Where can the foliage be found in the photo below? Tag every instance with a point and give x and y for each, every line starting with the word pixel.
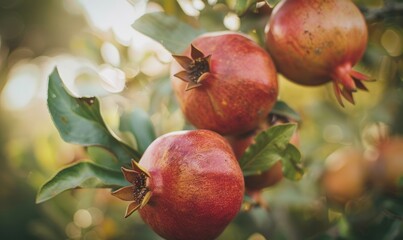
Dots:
pixel 79 121
pixel 173 34
pixel 138 123
pixel 83 175
pixel 269 148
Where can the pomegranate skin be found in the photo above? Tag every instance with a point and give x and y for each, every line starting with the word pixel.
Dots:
pixel 314 41
pixel 309 39
pixel 239 90
pixel 196 184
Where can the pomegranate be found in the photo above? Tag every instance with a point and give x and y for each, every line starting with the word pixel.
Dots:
pixel 388 167
pixel 315 41
pixel 225 82
pixel 345 175
pixel 187 185
pixel 275 173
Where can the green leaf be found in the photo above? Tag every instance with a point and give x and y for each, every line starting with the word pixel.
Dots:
pixel 281 108
pixel 79 121
pixel 103 157
pixel 139 124
pixel 267 150
pixel 162 95
pixel 80 175
pixel 272 3
pixel 172 33
pixel 292 165
pixel 242 6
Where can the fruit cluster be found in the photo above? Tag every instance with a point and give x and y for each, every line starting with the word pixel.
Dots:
pixel 189 185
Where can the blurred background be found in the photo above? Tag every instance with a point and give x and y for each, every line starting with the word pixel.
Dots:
pixel 98 53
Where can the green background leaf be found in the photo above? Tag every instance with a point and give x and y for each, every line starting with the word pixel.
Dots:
pixel 79 121
pixel 267 150
pixel 82 174
pixel 242 6
pixel 282 108
pixel 292 165
pixel 172 33
pixel 138 123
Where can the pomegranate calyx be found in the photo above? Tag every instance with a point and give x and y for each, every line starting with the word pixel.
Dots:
pixel 342 75
pixel 139 192
pixel 196 68
pixel 346 81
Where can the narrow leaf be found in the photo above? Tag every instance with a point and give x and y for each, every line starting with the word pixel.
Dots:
pixel 267 150
pixel 80 175
pixel 282 108
pixel 79 121
pixel 172 33
pixel 292 165
pixel 138 123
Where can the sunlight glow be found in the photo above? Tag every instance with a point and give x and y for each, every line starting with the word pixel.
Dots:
pixel 21 86
pixel 110 54
pixel 232 21
pixel 85 79
pixel 113 79
pixel 188 7
pixel 117 15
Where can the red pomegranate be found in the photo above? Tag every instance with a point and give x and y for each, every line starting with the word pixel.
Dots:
pixel 225 82
pixel 272 176
pixel 187 185
pixel 314 41
pixel 345 175
pixel 388 167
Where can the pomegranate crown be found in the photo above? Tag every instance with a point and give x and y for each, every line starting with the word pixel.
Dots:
pixel 139 192
pixel 196 68
pixel 346 81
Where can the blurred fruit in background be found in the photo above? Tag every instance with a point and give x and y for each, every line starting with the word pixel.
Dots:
pixel 388 166
pixel 345 175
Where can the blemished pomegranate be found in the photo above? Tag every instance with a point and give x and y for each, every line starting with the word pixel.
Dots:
pixel 187 185
pixel 225 82
pixel 314 41
pixel 275 174
pixel 345 175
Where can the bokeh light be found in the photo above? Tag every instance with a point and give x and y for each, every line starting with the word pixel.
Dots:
pixel 82 218
pixel 232 21
pixel 21 87
pixel 392 41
